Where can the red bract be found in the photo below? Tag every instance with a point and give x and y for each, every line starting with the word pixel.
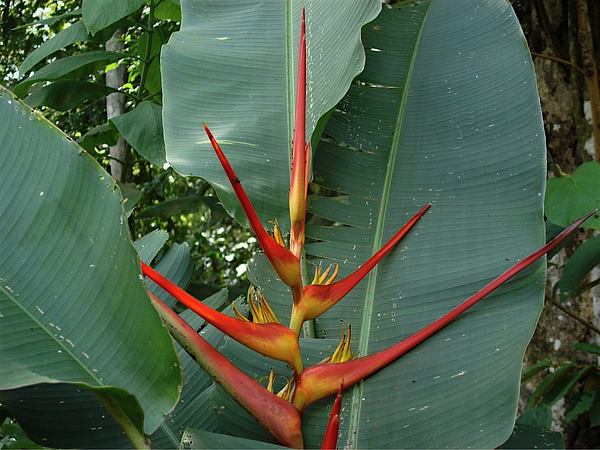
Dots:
pixel 283 261
pixel 333 426
pixel 300 155
pixel 321 381
pixel 270 339
pixel 276 415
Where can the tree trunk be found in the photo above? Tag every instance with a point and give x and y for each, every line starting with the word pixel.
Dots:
pixel 553 35
pixel 115 106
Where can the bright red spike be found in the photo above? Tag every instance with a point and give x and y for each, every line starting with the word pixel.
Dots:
pixel 270 339
pixel 300 154
pixel 333 426
pixel 319 298
pixel 283 261
pixel 321 381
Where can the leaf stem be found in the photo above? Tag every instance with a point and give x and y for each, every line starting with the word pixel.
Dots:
pixel 138 439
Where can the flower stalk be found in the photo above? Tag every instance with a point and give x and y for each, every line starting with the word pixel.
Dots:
pixel 269 339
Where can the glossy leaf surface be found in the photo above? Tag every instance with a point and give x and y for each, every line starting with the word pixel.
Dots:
pixel 72 306
pixel 233 66
pixel 445 112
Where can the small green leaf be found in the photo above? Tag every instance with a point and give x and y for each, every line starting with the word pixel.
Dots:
pixel 168 10
pixel 562 383
pixel 101 135
pixel 528 436
pixel 535 369
pixel 571 197
pixel 75 66
pixel 149 245
pixel 540 416
pixel 592 348
pixel 99 14
pixel 73 33
pixel 66 94
pixel 585 258
pixel 142 128
pixel 584 404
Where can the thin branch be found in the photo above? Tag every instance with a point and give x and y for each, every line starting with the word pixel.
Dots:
pixel 559 60
pixel 573 315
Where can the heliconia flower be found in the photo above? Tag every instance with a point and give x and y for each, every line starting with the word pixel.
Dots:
pixel 275 414
pixel 342 352
pixel 286 265
pixel 300 154
pixel 322 380
pixel 259 308
pixel 269 339
pixel 319 297
pixel 333 425
pixel 320 277
pixel 284 393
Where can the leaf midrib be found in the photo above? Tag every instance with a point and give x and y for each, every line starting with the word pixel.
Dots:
pixel 377 243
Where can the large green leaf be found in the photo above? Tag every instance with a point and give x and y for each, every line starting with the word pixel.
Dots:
pixel 72 306
pixel 446 112
pixel 233 66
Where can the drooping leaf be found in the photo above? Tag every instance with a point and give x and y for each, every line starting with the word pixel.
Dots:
pixel 585 258
pixel 74 66
pixel 99 14
pixel 72 305
pixel 66 94
pixel 240 81
pixel 70 35
pixel 64 416
pixel 142 128
pixel 569 195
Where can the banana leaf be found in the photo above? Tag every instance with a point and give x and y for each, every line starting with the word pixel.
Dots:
pixel 233 66
pixel 445 112
pixel 73 309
